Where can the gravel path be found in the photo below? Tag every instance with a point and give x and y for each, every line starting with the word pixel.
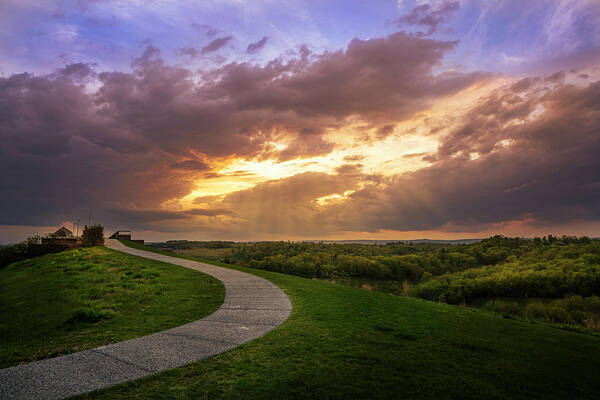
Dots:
pixel 252 307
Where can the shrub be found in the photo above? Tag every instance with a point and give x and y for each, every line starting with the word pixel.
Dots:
pixel 93 235
pixel 503 307
pixel 536 310
pixel 29 248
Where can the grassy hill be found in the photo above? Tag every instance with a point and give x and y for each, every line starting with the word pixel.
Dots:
pixel 550 279
pixel 342 342
pixel 84 298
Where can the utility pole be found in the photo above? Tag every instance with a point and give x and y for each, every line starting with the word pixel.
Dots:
pixel 76 227
pixel 90 218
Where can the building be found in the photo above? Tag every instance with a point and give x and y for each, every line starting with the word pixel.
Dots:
pixel 63 232
pixel 125 235
pixel 121 235
pixel 64 237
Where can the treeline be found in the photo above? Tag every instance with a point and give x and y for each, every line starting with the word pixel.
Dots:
pixel 553 270
pixel 392 261
pixel 34 247
pixel 570 310
pixel 29 248
pixel 189 244
pixel 555 279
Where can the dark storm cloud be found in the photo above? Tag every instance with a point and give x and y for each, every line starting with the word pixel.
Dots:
pixel 429 16
pixel 196 165
pixel 257 46
pixel 542 169
pixel 157 105
pixel 379 80
pixel 130 216
pixel 38 115
pixel 548 171
pixel 131 140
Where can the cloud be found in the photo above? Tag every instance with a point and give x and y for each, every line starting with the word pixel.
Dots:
pixel 429 16
pixel 195 165
pixel 285 205
pixel 380 81
pixel 77 72
pixel 414 155
pixel 257 46
pixel 208 30
pixel 215 45
pixel 191 52
pixel 354 158
pixel 85 5
pixel 148 217
pixel 543 168
pixel 81 139
pixel 536 166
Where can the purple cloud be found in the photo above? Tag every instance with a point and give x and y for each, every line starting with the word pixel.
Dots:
pixel 215 45
pixel 257 46
pixel 136 140
pixel 429 16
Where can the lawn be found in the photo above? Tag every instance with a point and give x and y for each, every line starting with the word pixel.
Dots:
pixel 342 342
pixel 206 253
pixel 196 253
pixel 80 299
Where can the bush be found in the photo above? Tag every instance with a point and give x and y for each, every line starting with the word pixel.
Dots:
pixel 536 310
pixel 571 310
pixel 93 235
pixel 29 248
pixel 503 307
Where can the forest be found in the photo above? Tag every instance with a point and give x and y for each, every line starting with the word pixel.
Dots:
pixel 554 279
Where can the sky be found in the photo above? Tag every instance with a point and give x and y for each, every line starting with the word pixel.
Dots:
pixel 291 120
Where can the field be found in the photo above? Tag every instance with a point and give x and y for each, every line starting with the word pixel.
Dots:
pixel 342 342
pixel 80 299
pixel 550 279
pixel 206 253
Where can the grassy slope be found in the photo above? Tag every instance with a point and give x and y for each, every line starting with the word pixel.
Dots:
pixel 80 299
pixel 342 342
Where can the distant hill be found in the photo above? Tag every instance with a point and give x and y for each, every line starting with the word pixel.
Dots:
pixel 456 241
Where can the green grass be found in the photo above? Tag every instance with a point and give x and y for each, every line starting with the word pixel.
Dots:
pixel 206 253
pixel 84 298
pixel 342 342
pixel 152 249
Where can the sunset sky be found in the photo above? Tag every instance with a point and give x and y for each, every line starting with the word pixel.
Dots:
pixel 325 119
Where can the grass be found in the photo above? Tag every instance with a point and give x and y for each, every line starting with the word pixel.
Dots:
pixel 195 253
pixel 206 253
pixel 80 299
pixel 342 342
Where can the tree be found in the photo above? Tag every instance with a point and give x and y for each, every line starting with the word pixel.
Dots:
pixel 93 235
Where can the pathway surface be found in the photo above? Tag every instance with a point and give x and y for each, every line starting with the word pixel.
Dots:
pixel 252 307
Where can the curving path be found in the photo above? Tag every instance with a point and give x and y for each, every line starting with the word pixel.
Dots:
pixel 252 307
